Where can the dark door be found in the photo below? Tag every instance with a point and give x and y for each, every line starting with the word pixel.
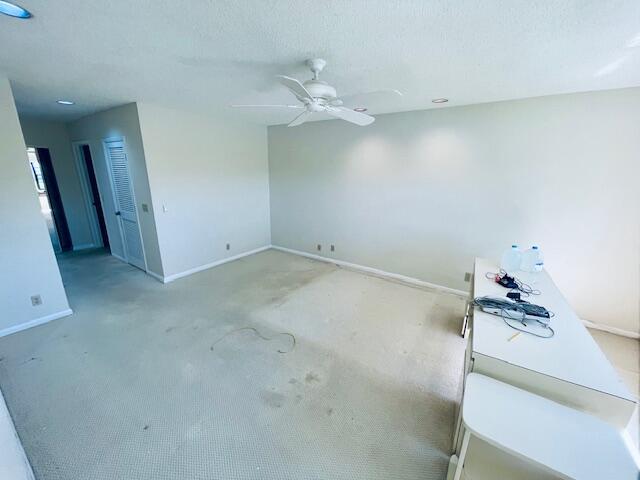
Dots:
pixel 95 195
pixel 57 210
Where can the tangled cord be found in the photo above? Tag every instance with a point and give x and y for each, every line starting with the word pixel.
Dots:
pixel 254 330
pixel 522 287
pixel 506 309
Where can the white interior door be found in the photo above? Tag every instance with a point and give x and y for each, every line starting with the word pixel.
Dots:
pixel 125 202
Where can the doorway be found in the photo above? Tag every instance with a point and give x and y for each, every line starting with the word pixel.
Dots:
pixel 51 207
pixel 89 184
pixel 117 161
pixel 111 182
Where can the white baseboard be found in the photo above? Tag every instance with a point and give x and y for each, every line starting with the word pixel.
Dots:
pixel 614 330
pixel 35 322
pixel 83 246
pixel 175 276
pixel 122 259
pixel 157 276
pixel 376 272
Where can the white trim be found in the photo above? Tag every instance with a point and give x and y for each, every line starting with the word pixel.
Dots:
pixel 83 176
pixel 122 259
pixel 376 272
pixel 84 246
pixel 614 330
pixel 157 276
pixel 35 322
pixel 186 273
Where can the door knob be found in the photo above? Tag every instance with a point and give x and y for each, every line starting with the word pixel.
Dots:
pixel 118 213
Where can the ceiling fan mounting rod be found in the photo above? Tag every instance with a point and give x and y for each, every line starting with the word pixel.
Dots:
pixel 316 65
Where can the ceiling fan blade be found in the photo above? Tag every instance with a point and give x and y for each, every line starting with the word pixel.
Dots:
pixel 366 98
pixel 300 119
pixel 349 115
pixel 295 87
pixel 267 106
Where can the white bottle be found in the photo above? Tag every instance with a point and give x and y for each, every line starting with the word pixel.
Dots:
pixel 532 260
pixel 511 259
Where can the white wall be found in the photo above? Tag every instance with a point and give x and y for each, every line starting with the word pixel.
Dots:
pixel 55 137
pixel 422 193
pixel 121 122
pixel 27 263
pixel 211 177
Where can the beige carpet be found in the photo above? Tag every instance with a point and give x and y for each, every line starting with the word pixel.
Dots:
pixel 201 379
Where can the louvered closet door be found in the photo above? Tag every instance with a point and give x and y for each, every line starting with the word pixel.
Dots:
pixel 125 201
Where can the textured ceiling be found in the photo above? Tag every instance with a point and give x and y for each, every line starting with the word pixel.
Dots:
pixel 204 55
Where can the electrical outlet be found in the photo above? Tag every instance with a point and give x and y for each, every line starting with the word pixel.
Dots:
pixel 36 300
pixel 467 277
pixel 145 207
pixel 228 246
pixel 333 248
pixel 319 247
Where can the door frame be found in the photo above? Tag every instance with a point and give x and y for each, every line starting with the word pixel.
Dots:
pixel 122 139
pixel 62 212
pixel 83 176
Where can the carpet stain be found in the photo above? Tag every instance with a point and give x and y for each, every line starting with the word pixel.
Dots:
pixel 311 377
pixel 32 359
pixel 272 399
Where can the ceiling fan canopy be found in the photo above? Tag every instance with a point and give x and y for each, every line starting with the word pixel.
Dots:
pixel 317 96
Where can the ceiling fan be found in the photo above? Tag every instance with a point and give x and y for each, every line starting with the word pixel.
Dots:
pixel 317 96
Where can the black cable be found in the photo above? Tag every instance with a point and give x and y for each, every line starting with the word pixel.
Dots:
pixel 520 285
pixel 255 331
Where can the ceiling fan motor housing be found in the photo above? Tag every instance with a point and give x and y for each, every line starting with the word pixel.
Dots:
pixel 317 96
pixel 320 89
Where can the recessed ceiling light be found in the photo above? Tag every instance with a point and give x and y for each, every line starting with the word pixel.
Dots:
pixel 13 10
pixel 65 102
pixel 440 100
pixel 360 109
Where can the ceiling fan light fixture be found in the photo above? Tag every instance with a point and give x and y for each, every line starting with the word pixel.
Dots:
pixel 14 10
pixel 440 100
